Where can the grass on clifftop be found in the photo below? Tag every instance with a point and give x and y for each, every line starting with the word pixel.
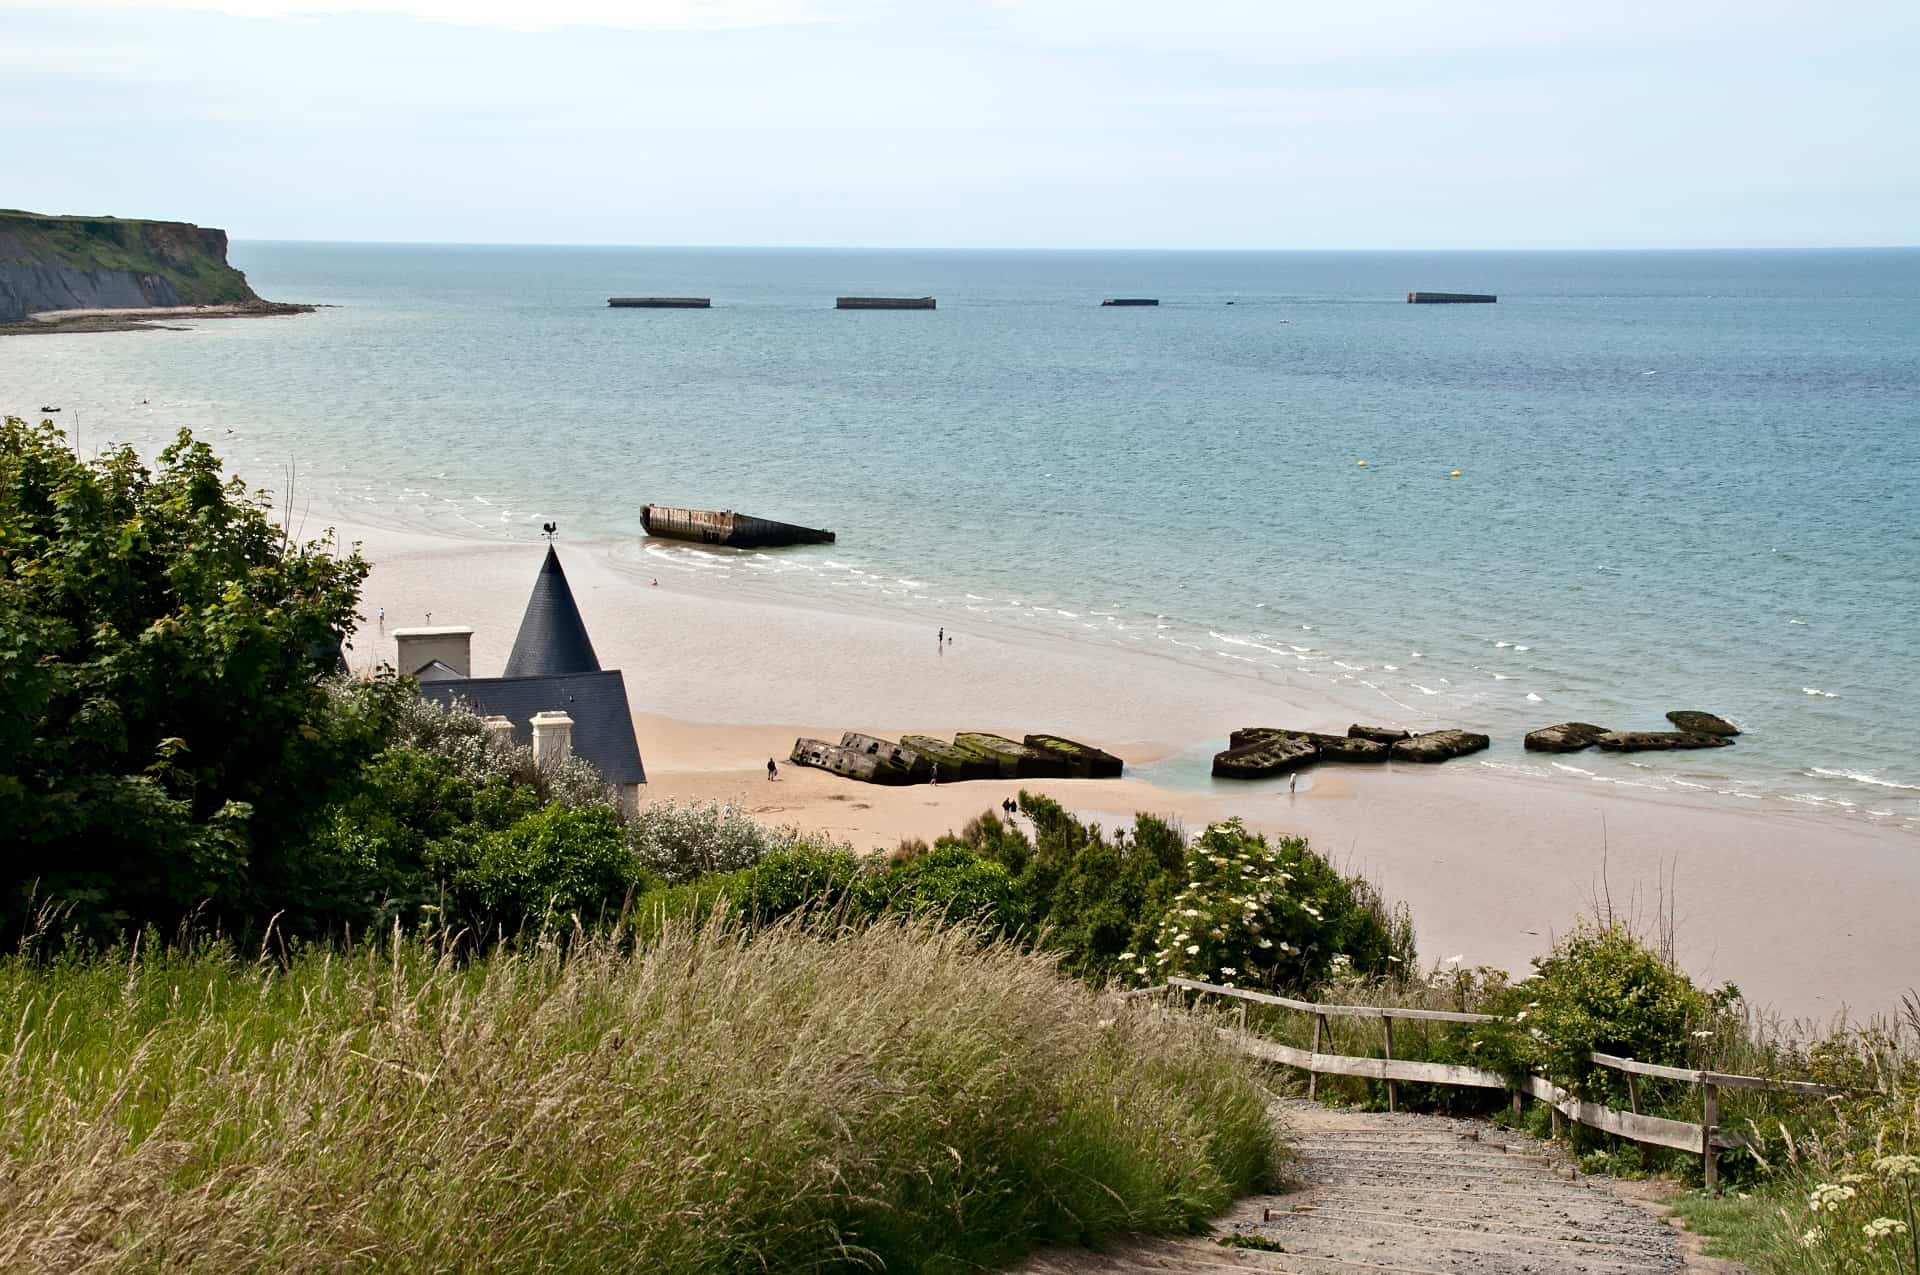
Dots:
pixel 169 249
pixel 902 1097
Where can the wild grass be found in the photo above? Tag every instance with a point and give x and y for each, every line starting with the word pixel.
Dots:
pixel 905 1096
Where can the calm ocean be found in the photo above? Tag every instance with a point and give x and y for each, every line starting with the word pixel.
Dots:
pixel 1687 479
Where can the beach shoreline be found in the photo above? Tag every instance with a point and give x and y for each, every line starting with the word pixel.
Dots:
pixel 1804 910
pixel 145 318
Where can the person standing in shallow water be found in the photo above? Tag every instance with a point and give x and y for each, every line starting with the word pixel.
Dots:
pixel 940 640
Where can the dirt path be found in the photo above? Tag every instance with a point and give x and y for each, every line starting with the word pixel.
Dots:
pixel 1412 1195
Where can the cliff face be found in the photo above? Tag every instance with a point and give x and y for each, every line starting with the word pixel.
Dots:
pixel 62 263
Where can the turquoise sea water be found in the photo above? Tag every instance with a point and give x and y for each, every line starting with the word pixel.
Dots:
pixel 1687 479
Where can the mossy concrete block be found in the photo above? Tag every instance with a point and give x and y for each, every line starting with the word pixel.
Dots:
pixel 1083 760
pixel 1695 722
pixel 1382 734
pixel 1653 741
pixel 955 764
pixel 1015 761
pixel 1567 737
pixel 1274 755
pixel 1439 745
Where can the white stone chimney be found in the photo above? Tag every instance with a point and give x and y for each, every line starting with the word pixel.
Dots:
pixel 552 737
pixel 499 730
pixel 451 644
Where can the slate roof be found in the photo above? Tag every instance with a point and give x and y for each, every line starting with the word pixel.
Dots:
pixel 596 701
pixel 552 638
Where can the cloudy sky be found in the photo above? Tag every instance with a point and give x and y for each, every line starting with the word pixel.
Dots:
pixel 971 123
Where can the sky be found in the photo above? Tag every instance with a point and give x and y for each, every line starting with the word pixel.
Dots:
pixel 976 123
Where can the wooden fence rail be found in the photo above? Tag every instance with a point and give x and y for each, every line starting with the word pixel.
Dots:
pixel 1705 1139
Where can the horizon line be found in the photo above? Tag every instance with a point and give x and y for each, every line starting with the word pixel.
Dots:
pixel 934 248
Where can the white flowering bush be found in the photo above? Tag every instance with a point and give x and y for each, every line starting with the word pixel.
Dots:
pixel 1267 916
pixel 681 842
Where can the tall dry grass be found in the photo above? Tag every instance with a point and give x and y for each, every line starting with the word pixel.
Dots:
pixel 902 1097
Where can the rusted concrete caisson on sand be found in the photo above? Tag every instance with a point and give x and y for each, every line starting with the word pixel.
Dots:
pixel 725 527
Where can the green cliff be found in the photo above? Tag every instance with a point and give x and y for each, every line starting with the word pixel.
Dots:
pixel 63 263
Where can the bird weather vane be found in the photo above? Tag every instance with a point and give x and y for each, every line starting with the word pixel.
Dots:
pixel 549 530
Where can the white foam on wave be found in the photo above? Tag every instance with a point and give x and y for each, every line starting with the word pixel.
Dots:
pixel 1523 648
pixel 1534 699
pixel 1503 644
pixel 1391 668
pixel 1814 690
pixel 1863 777
pixel 1424 690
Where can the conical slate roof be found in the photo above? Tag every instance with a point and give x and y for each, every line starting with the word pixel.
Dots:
pixel 553 639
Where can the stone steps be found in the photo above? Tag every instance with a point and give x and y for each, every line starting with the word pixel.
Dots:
pixel 1397 1194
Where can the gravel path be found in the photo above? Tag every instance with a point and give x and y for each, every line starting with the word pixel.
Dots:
pixel 1412 1195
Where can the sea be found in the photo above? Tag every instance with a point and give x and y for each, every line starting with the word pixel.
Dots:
pixel 1640 481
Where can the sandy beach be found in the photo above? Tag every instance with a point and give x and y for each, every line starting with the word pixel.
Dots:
pixel 1810 914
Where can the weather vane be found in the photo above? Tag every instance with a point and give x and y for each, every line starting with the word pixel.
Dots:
pixel 549 530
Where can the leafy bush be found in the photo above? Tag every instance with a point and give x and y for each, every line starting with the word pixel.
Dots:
pixel 950 882
pixel 165 741
pixel 1269 916
pixel 1601 990
pixel 551 863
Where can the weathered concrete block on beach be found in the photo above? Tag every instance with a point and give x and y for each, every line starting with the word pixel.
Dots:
pixel 1439 745
pixel 1274 755
pixel 1349 748
pixel 1647 741
pixel 917 767
pixel 955 764
pixel 1384 734
pixel 849 763
pixel 1083 760
pixel 1695 722
pixel 1015 761
pixel 1567 737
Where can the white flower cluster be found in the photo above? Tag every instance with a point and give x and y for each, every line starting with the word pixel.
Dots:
pixel 1898 1168
pixel 1882 1227
pixel 1829 1196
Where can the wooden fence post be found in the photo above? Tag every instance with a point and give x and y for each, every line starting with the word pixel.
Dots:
pixel 1393 1090
pixel 1313 1077
pixel 1709 1126
pixel 1559 1122
pixel 1633 1093
pixel 1518 1110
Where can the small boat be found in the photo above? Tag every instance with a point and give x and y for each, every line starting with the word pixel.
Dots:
pixel 725 527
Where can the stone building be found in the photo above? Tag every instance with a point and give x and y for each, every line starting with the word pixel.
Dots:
pixel 554 695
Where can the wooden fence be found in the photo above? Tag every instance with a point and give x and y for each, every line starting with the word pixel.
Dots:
pixel 1705 1139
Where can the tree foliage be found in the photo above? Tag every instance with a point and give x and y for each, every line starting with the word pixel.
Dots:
pixel 165 738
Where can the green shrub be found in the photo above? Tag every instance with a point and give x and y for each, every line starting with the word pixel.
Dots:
pixel 684 843
pixel 555 862
pixel 166 744
pixel 1601 990
pixel 950 881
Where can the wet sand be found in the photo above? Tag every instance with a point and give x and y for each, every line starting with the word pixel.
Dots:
pixel 1808 913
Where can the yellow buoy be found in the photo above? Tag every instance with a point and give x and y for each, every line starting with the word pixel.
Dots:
pixel 1454 474
pixel 1363 464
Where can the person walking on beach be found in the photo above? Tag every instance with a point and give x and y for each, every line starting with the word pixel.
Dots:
pixel 773 771
pixel 940 639
pixel 383 619
pixel 936 774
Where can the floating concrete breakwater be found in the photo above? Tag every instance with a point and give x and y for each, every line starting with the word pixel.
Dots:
pixel 1451 298
pixel 1696 730
pixel 923 759
pixel 725 527
pixel 884 303
pixel 660 303
pixel 1260 752
pixel 1125 301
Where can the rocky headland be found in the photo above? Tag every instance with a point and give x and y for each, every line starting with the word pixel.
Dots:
pixel 66 274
